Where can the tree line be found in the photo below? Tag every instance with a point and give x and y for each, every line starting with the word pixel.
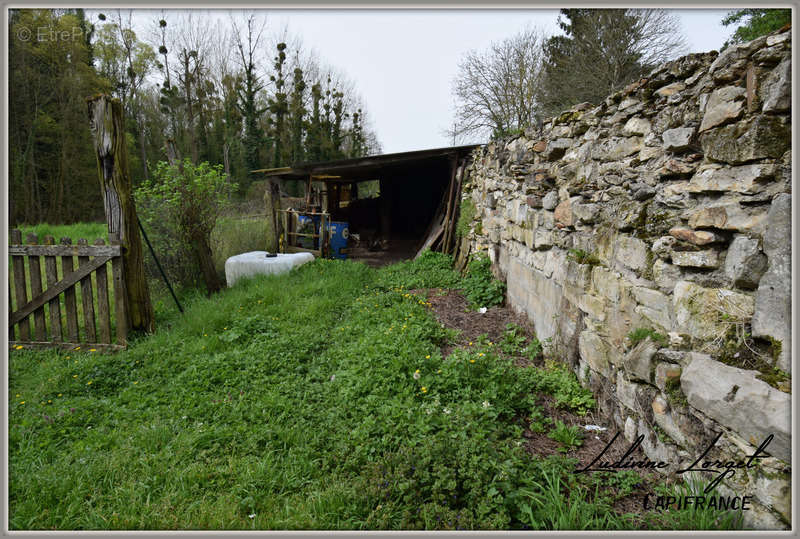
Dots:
pixel 522 80
pixel 230 94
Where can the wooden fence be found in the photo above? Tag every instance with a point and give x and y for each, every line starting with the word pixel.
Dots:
pixel 61 327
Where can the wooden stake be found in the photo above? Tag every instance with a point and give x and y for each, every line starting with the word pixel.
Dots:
pixel 108 134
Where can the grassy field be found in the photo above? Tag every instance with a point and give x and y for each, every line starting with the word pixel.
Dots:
pixel 314 400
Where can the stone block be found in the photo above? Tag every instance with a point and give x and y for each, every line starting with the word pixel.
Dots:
pixel 707 313
pixel 745 263
pixel 738 400
pixel 696 237
pixel 678 139
pixel 761 137
pixel 745 179
pixel 773 304
pixel 696 259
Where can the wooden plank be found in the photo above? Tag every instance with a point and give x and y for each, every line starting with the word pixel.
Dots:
pixel 451 202
pixel 449 248
pixel 87 298
pixel 72 346
pixel 70 304
pixel 437 232
pixel 120 297
pixel 103 312
pixel 64 285
pixel 20 288
pixel 65 250
pixel 35 268
pixel 54 305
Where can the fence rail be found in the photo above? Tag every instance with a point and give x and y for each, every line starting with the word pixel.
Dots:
pixel 61 326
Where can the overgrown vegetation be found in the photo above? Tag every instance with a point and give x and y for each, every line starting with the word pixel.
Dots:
pixel 319 399
pixel 466 215
pixel 180 207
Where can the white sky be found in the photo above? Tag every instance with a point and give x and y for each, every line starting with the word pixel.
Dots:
pixel 402 62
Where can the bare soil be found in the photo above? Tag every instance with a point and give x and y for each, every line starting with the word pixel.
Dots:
pixel 452 310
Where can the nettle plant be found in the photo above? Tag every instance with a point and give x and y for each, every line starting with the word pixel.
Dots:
pixel 183 201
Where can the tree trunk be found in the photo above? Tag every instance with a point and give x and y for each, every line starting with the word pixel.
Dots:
pixel 108 134
pixel 205 260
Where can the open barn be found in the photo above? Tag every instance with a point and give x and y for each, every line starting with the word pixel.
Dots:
pixel 389 207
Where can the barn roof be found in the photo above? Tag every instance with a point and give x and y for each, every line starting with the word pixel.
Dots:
pixel 367 168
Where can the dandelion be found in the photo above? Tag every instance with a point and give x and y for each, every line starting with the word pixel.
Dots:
pixel 22 402
pixel 480 354
pixel 74 375
pixel 136 382
pixel 424 389
pixel 49 401
pixel 59 394
pixel 19 347
pixel 428 356
pixel 77 348
pixel 439 371
pixel 486 404
pixel 472 361
pixel 67 357
pixel 89 383
pixel 470 343
pixel 92 349
pixel 205 334
pixel 18 395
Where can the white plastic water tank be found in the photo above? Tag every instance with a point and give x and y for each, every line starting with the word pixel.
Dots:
pixel 257 263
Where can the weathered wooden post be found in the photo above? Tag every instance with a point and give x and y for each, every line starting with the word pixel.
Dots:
pixel 108 133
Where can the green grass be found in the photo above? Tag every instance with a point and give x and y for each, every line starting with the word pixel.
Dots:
pixel 313 400
pixel 88 231
pixel 233 236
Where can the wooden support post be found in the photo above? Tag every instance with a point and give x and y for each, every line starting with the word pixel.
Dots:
pixel 20 286
pixel 108 133
pixel 272 198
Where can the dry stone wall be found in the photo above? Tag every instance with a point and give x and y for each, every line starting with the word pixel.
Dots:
pixel 665 208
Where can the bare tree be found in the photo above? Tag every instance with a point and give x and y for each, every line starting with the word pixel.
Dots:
pixel 495 89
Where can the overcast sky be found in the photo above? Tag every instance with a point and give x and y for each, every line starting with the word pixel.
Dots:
pixel 403 62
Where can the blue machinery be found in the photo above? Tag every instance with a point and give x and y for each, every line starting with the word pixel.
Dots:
pixel 313 232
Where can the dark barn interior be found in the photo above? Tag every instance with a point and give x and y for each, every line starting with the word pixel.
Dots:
pixel 389 201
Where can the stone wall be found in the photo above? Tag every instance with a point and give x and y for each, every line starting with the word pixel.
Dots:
pixel 665 208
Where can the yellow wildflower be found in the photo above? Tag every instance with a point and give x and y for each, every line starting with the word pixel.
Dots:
pixel 59 394
pixel 22 402
pixel 472 361
pixel 19 347
pixel 74 375
pixel 136 382
pixel 92 350
pixel 424 389
pixel 77 348
pixel 428 356
pixel 89 383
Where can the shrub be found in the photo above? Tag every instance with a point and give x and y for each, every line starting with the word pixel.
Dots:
pixel 181 204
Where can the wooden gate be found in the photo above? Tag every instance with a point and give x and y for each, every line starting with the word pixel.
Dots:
pixel 61 327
